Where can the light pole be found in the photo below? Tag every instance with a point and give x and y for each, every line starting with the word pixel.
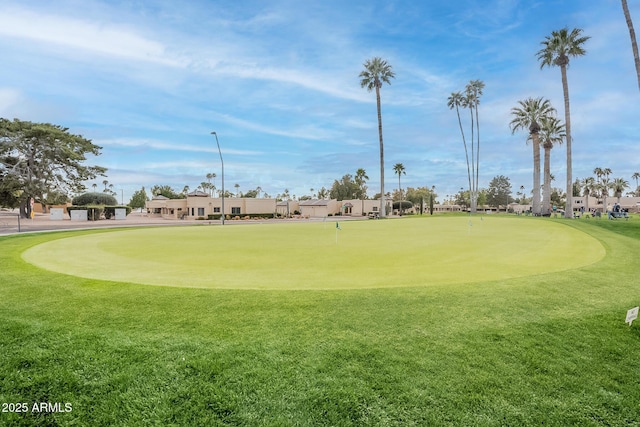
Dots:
pixel 222 163
pixel 433 188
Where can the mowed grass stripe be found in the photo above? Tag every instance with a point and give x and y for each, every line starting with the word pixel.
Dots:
pixel 364 254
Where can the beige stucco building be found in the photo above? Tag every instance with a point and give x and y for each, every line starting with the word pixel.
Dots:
pixel 200 205
pixel 589 203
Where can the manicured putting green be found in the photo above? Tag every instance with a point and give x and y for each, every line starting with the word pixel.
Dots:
pixel 362 254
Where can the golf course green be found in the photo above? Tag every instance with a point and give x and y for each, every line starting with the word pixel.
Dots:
pixel 421 321
pixel 319 255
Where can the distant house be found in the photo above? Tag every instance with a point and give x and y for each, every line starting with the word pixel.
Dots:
pixel 199 204
pixel 319 208
pixel 357 207
pixel 287 207
pixel 597 203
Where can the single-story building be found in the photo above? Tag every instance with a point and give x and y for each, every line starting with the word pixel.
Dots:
pixel 287 207
pixel 199 204
pixel 598 203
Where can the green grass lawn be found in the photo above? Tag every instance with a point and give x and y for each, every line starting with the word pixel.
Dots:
pixel 362 254
pixel 550 348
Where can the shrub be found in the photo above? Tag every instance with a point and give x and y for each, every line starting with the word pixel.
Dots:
pixel 87 199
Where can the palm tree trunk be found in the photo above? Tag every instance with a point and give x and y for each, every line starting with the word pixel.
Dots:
pixel 466 152
pixel 632 34
pixel 535 203
pixel 478 151
pixel 568 210
pixel 382 203
pixel 400 190
pixel 586 200
pixel 546 189
pixel 472 191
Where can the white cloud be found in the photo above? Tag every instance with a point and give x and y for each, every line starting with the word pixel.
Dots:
pixel 172 146
pixel 89 36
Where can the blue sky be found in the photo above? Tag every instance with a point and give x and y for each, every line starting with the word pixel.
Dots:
pixel 278 81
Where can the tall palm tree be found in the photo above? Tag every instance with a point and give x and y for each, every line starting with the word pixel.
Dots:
pixel 528 116
pixel 400 170
pixel 618 185
pixel 557 50
pixel 457 100
pixel 474 92
pixel 523 200
pixel 361 180
pixel 377 71
pixel 599 173
pixel 636 176
pixel 604 187
pixel 632 34
pixel 237 189
pixel 210 176
pixel 551 133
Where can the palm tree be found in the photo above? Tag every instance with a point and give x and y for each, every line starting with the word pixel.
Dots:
pixel 557 49
pixel 94 185
pixel 528 116
pixel 618 186
pixel 360 180
pixel 376 71
pixel 523 200
pixel 588 186
pixel 632 34
pixel 457 100
pixel 551 133
pixel 474 92
pixel 598 172
pixel 237 186
pixel 210 176
pixel 636 176
pixel 399 169
pixel 604 191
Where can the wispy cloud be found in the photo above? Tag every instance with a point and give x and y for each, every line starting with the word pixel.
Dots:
pixel 89 36
pixel 171 146
pixel 279 81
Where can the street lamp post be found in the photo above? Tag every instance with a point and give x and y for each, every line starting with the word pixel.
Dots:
pixel 433 188
pixel 222 163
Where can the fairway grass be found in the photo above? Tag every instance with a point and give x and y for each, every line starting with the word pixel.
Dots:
pixel 363 254
pixel 547 349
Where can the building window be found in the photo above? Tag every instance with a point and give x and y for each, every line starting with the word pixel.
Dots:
pixel 375 209
pixel 216 210
pixel 235 211
pixel 200 211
